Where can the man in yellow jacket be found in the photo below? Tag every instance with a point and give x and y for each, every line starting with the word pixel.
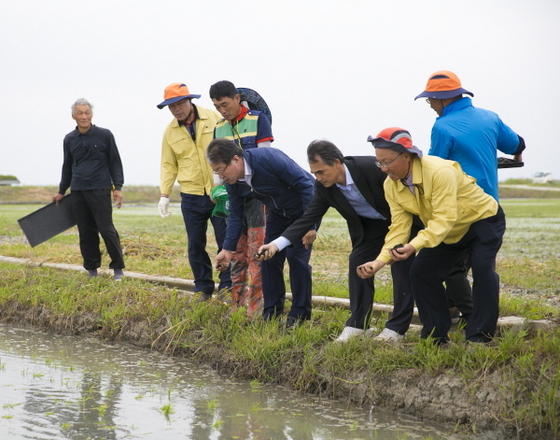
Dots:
pixel 183 159
pixel 457 215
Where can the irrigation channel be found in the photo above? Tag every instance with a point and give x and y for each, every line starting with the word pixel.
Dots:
pixel 69 387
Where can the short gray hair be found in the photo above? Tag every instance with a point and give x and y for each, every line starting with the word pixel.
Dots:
pixel 81 101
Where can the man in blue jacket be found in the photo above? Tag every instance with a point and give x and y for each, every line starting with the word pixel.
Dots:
pixel 268 175
pixel 471 136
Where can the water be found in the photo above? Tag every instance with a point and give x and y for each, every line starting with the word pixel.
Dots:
pixel 60 387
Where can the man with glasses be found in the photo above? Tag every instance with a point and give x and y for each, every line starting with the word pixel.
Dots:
pixel 458 216
pixel 183 159
pixel 353 185
pixel 471 136
pixel 270 176
pixel 248 129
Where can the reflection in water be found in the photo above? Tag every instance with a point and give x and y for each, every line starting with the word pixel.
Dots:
pixel 58 387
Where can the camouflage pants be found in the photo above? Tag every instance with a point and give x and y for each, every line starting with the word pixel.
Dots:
pixel 246 282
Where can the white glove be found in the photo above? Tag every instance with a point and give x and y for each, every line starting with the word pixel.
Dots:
pixel 163 207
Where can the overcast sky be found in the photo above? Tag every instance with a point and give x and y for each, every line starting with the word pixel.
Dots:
pixel 339 70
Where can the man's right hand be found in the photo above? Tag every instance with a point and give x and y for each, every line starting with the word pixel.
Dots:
pixel 266 252
pixel 163 207
pixel 57 198
pixel 223 260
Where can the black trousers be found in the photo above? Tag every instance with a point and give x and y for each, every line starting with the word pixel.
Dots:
pixel 274 287
pixel 432 265
pixel 458 288
pixel 362 291
pixel 94 215
pixel 403 297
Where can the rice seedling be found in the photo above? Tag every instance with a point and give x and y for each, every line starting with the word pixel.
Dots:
pixel 211 405
pixel 167 410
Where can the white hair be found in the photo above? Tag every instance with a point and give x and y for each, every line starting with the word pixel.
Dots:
pixel 81 101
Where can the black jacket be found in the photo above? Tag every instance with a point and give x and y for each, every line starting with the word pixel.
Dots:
pixel 91 161
pixel 369 179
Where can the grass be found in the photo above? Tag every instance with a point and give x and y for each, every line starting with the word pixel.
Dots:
pixel 363 370
pixel 528 260
pixel 304 358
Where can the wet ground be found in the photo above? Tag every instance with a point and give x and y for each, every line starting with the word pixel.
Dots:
pixel 67 387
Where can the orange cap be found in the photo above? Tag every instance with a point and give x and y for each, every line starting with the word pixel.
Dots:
pixel 443 84
pixel 175 92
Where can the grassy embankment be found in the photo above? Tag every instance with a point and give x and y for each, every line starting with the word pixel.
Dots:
pixel 525 365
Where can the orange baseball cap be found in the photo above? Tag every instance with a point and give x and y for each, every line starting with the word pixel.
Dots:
pixel 443 85
pixel 396 139
pixel 175 92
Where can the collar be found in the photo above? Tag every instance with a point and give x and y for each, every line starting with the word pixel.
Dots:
pixel 414 178
pixel 242 114
pixel 87 132
pixel 416 171
pixel 248 173
pixel 195 111
pixel 460 104
pixel 349 180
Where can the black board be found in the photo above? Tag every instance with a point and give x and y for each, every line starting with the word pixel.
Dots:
pixel 505 162
pixel 48 221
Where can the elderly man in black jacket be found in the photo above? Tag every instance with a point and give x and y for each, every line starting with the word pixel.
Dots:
pixel 354 187
pixel 92 168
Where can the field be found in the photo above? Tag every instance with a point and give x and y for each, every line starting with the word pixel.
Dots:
pixel 518 373
pixel 527 262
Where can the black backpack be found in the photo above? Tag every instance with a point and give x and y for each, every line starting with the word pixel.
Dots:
pixel 255 101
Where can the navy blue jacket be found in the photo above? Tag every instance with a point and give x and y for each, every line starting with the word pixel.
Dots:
pixel 278 182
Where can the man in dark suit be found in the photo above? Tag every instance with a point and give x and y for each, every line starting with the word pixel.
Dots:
pixel 354 187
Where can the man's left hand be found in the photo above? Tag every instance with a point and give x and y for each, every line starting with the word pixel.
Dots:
pixel 402 252
pixel 309 238
pixel 117 198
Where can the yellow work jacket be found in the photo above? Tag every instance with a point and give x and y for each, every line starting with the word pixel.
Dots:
pixel 183 159
pixel 446 200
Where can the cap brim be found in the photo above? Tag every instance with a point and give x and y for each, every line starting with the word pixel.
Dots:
pixel 176 99
pixel 445 94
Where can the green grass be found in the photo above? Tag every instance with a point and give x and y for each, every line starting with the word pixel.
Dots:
pixel 528 259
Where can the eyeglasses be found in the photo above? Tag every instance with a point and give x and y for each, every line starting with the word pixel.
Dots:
pixel 221 171
pixel 387 164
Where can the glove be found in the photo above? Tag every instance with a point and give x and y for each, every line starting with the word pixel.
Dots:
pixel 163 207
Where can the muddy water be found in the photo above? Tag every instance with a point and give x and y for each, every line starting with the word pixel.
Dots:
pixel 58 387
